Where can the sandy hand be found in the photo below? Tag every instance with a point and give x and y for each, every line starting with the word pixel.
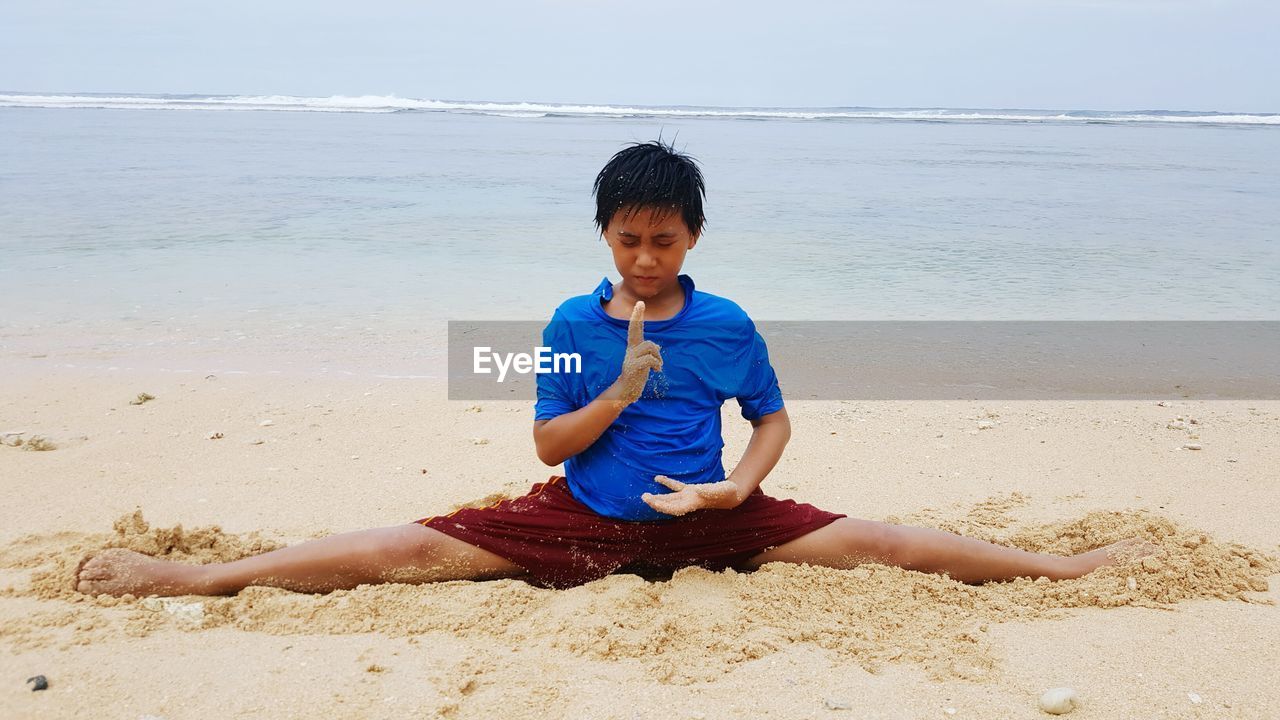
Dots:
pixel 642 356
pixel 686 498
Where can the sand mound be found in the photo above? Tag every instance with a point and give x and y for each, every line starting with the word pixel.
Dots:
pixel 55 558
pixel 693 627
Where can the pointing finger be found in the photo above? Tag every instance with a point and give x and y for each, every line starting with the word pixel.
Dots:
pixel 635 330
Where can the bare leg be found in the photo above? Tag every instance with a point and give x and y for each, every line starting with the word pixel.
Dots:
pixel 403 553
pixel 848 542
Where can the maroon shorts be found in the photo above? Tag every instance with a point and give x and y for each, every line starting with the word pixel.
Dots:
pixel 562 543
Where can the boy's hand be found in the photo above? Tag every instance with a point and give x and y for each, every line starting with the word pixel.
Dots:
pixel 642 356
pixel 721 495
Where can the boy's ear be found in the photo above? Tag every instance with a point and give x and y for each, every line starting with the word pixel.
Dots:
pixel 693 239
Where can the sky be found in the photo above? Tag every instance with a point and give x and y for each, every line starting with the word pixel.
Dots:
pixel 1039 54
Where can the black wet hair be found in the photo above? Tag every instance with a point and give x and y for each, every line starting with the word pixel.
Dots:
pixel 650 175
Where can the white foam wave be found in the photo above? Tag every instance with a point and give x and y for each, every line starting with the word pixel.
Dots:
pixel 391 103
pixel 1240 119
pixel 143 102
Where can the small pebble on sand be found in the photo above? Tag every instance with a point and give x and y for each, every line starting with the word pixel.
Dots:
pixel 39 682
pixel 985 424
pixel 1059 701
pixel 833 704
pixel 1192 446
pixel 266 423
pixel 479 441
pixel 1195 698
pixel 142 397
pixel 216 436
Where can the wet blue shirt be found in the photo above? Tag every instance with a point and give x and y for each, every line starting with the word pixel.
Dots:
pixel 711 352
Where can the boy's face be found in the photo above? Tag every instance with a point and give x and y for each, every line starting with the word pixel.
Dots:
pixel 648 247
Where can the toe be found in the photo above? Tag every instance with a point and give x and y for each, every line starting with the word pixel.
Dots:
pixel 75 576
pixel 93 571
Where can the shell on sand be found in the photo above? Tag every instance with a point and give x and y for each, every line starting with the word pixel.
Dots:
pixel 1059 701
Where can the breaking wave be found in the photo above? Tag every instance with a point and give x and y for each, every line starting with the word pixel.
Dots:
pixel 393 104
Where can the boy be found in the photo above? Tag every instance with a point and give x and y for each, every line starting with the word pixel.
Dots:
pixel 639 432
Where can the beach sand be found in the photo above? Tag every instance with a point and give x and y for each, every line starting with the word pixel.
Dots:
pixel 1189 634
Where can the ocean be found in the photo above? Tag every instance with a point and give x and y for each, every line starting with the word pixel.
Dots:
pixel 338 235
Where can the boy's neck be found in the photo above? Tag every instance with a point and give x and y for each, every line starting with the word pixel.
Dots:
pixel 662 306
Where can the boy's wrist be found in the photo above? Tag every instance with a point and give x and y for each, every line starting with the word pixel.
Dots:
pixel 730 497
pixel 615 395
pixel 740 492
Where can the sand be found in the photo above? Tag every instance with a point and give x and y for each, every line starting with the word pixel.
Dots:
pixel 1186 633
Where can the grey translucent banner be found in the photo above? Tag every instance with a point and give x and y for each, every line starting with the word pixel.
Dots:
pixel 950 360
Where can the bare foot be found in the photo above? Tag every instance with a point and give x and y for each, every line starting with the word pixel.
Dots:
pixel 117 572
pixel 1113 554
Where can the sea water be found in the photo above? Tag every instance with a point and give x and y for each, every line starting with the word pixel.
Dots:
pixel 340 234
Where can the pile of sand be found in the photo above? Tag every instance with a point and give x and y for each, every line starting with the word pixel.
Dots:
pixel 693 627
pixel 54 559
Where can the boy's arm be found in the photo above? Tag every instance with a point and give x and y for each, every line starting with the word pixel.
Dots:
pixel 559 438
pixel 768 440
pixel 564 436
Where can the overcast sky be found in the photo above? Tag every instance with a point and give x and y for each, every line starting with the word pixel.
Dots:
pixel 1049 54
